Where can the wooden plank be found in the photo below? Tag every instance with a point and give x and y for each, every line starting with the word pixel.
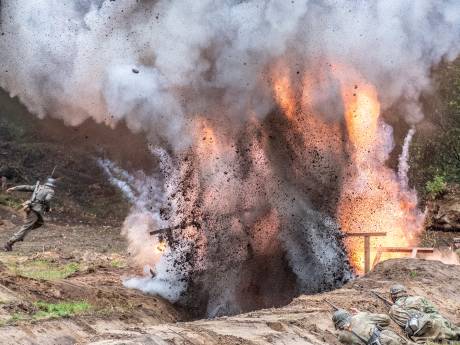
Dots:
pixel 413 250
pixel 406 249
pixel 351 234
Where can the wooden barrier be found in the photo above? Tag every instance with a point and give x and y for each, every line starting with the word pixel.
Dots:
pixel 412 250
pixel 367 245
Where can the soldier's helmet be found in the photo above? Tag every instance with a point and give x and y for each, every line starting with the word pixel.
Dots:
pixel 50 182
pixel 398 291
pixel 341 318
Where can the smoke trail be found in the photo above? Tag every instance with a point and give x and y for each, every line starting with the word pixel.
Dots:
pixel 119 178
pixel 403 166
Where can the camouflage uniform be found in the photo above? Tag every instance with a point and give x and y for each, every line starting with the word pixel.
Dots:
pixel 34 217
pixel 429 324
pixel 360 328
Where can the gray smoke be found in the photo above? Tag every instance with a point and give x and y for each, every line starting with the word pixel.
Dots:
pixel 74 59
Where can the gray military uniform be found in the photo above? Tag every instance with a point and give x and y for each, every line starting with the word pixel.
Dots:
pixel 38 206
pixel 362 328
pixel 432 326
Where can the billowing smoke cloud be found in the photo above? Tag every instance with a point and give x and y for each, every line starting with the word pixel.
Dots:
pixel 255 193
pixel 75 59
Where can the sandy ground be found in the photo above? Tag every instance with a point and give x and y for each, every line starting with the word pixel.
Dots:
pixel 79 263
pixel 307 320
pixel 122 316
pixel 62 237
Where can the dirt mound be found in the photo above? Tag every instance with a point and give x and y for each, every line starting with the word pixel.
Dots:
pixel 63 285
pixel 51 299
pixel 307 320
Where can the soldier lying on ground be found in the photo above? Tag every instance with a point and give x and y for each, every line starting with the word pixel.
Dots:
pixel 419 318
pixel 34 208
pixel 365 329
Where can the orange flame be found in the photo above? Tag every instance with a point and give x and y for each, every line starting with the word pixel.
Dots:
pixel 283 91
pixel 372 200
pixel 362 111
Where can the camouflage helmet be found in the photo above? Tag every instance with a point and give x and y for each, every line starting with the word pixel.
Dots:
pixel 50 182
pixel 340 318
pixel 397 291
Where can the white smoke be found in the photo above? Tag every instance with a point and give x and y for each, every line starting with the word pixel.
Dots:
pixel 146 195
pixel 74 59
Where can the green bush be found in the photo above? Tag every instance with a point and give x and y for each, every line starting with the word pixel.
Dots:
pixel 435 150
pixel 436 187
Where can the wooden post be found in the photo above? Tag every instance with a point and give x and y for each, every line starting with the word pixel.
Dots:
pixel 367 253
pixel 367 245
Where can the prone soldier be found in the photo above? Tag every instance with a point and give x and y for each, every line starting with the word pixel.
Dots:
pixel 365 328
pixel 419 318
pixel 34 208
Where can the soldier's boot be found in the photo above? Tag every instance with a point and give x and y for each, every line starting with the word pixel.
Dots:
pixel 33 221
pixel 8 247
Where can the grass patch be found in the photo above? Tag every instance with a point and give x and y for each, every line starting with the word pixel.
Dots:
pixel 50 311
pixel 16 317
pixel 10 201
pixel 115 263
pixel 44 269
pixel 58 310
pixel 413 274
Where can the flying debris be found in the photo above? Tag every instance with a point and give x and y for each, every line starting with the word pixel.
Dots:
pixel 245 215
pixel 169 229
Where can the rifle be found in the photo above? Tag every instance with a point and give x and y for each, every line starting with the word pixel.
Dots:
pixel 167 232
pixel 363 341
pixel 169 229
pixel 387 302
pixel 332 305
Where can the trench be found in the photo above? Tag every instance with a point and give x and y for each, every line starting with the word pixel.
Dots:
pixel 254 266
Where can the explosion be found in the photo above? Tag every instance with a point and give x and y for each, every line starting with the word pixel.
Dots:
pixel 373 199
pixel 266 119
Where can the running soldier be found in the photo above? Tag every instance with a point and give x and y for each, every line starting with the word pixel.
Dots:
pixel 34 208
